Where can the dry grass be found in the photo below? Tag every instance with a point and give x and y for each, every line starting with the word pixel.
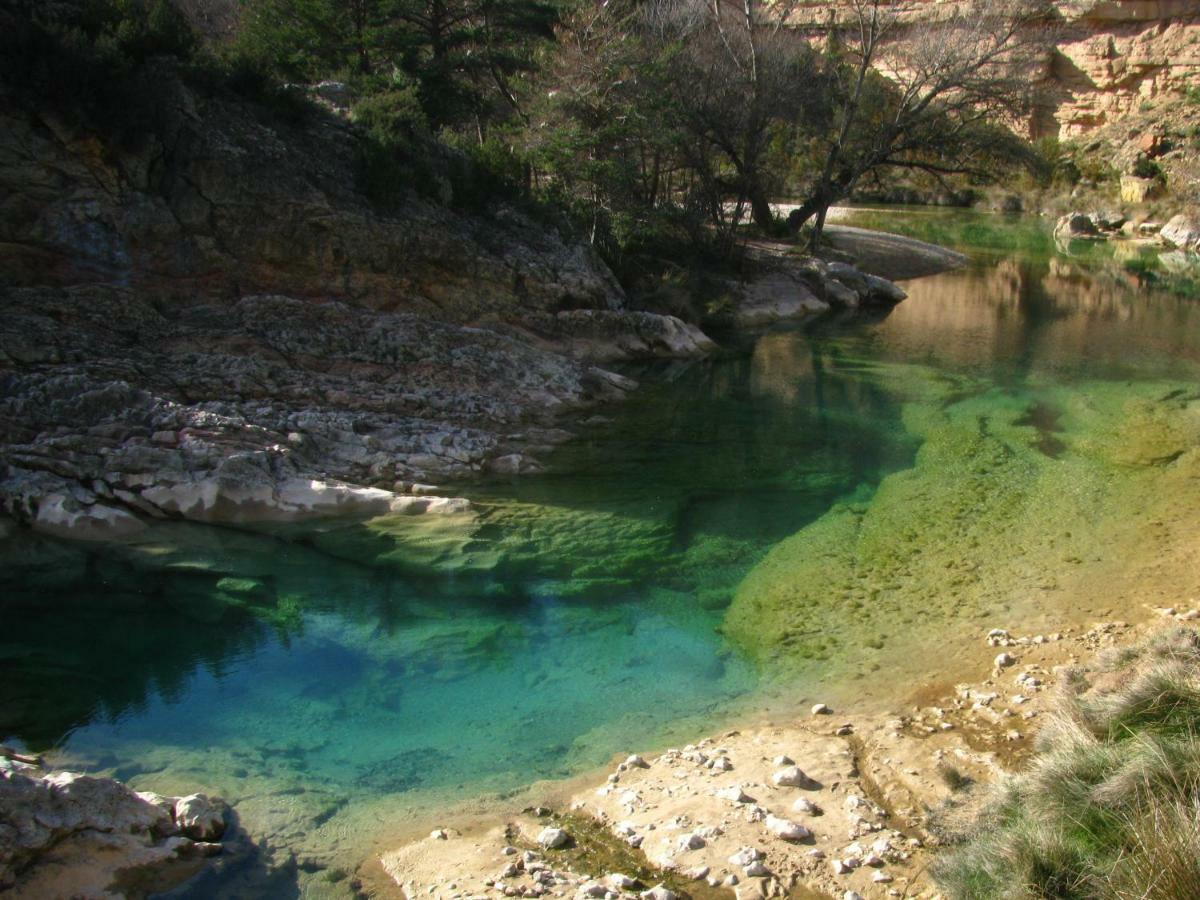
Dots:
pixel 1110 807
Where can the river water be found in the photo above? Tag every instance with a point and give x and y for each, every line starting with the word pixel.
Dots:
pixel 338 682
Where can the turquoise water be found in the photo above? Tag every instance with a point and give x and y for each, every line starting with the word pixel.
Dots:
pixel 336 682
pixel 405 664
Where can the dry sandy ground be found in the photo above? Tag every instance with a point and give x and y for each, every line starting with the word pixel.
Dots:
pixel 827 804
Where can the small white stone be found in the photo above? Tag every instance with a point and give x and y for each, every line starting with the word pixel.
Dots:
pixel 792 776
pixel 756 869
pixel 553 838
pixel 634 761
pixel 439 834
pixel 787 830
pixel 783 761
pixel 1004 660
pixel 620 882
pixel 852 895
pixel 881 878
pixel 697 874
pixel 658 892
pixel 735 794
pixel 745 856
pixel 804 805
pixel 691 841
pixel 820 709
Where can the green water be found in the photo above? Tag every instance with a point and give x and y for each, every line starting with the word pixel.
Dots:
pixel 827 505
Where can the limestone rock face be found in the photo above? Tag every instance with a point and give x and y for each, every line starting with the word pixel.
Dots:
pixel 213 322
pixel 70 835
pixel 1109 56
pixel 218 194
pixel 262 408
pixel 1183 232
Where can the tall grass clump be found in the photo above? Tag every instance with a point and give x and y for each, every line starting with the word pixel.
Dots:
pixel 1109 809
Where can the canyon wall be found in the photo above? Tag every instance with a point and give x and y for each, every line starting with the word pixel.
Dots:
pixel 1107 57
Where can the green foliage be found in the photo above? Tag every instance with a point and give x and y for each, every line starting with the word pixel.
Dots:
pixel 88 59
pixel 1145 167
pixel 1108 808
pixel 459 55
pixel 393 152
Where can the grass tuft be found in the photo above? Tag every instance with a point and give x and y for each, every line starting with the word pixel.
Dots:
pixel 1110 807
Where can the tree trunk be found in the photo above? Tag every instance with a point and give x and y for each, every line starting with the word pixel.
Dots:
pixel 760 209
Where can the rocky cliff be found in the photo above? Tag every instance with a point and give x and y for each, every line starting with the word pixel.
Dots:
pixel 211 313
pixel 1107 57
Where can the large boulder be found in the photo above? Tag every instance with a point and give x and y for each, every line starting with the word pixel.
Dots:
pixel 1182 232
pixel 71 835
pixel 1076 226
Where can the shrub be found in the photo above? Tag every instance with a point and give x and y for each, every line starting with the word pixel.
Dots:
pixel 87 59
pixel 1108 808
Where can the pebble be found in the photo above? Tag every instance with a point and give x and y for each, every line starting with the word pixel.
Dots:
pixel 745 856
pixel 658 892
pixel 820 709
pixel 756 869
pixel 783 761
pixel 787 830
pixel 881 878
pixel 636 762
pixel 553 838
pixel 439 834
pixel 691 841
pixel 620 882
pixel 852 895
pixel 735 794
pixel 804 805
pixel 1004 660
pixel 792 776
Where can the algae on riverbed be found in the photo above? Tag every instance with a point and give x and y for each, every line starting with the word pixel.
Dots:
pixel 1045 499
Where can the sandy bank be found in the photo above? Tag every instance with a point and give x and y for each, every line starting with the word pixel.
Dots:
pixel 812 805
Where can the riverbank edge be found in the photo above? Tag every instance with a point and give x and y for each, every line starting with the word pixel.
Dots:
pixel 861 815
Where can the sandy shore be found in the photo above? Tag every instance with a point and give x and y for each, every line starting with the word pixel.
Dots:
pixel 819 804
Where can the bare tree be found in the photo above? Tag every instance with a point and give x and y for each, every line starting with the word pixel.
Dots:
pixel 738 74
pixel 933 97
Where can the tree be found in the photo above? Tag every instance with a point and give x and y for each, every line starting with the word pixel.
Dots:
pixel 739 76
pixel 932 98
pixel 306 40
pixel 461 54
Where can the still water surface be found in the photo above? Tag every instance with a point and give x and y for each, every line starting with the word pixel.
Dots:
pixel 398 666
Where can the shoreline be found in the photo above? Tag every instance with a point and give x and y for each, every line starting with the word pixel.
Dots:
pixel 874 775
